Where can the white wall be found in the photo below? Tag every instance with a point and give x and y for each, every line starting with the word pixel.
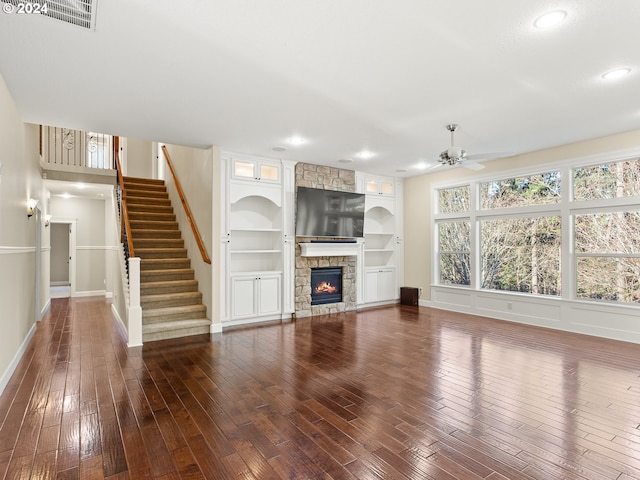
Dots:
pixel 582 317
pixel 198 171
pixel 139 158
pixel 114 263
pixel 19 180
pixel 91 248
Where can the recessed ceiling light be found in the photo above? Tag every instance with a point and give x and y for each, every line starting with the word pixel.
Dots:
pixel 617 73
pixel 279 149
pixel 401 170
pixel 421 165
pixel 345 160
pixel 550 19
pixel 296 140
pixel 80 186
pixel 365 154
pixel 65 195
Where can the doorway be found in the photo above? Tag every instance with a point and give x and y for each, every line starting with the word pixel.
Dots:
pixel 61 280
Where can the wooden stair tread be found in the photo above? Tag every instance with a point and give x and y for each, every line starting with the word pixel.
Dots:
pixel 145 253
pixel 175 329
pixel 176 323
pixel 156 181
pixel 144 233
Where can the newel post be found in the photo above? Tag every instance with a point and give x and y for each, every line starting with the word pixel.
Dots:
pixel 135 310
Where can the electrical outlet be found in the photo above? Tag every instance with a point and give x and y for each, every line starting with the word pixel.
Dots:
pixel 509 306
pixel 419 291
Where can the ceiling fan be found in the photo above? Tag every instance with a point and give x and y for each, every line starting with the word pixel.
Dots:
pixel 455 155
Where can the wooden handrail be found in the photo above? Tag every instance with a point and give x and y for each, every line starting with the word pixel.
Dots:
pixel 126 225
pixel 187 210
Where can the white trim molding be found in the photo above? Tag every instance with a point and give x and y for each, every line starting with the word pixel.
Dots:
pixel 6 376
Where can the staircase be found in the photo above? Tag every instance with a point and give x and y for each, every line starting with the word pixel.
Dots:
pixel 171 303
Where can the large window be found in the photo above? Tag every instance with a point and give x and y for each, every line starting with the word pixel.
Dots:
pixel 521 245
pixel 521 254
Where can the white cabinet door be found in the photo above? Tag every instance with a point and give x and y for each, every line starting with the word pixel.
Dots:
pixel 379 285
pixel 370 286
pixel 255 296
pixel 386 284
pixel 243 297
pixel 269 295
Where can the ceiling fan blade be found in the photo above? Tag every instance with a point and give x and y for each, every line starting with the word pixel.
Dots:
pixel 489 156
pixel 471 165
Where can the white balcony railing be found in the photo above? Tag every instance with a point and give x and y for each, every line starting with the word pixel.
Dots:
pixel 68 149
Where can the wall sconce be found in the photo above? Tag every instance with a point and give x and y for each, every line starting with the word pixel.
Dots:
pixel 31 207
pixel 47 220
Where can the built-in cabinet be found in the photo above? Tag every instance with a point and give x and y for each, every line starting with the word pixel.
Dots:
pixel 256 169
pixel 379 186
pixel 256 247
pixel 381 268
pixel 258 240
pixel 255 296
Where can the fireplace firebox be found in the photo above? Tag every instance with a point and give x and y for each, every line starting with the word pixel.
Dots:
pixel 326 285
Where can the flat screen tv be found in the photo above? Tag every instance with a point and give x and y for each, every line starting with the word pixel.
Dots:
pixel 328 213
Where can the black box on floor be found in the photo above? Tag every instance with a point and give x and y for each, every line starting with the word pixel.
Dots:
pixel 409 296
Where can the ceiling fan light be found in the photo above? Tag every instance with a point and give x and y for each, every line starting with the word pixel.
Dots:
pixel 455 152
pixel 550 19
pixel 616 74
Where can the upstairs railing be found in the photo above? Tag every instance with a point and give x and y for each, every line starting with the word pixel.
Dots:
pixel 187 210
pixel 66 147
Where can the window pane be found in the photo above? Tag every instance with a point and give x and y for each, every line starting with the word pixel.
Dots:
pixel 609 278
pixel 269 172
pixel 516 192
pixel 451 200
pixel 454 269
pixel 454 247
pixel 609 180
pixel 243 169
pixel 522 255
pixel 386 188
pixel 372 186
pixel 610 232
pixel 454 237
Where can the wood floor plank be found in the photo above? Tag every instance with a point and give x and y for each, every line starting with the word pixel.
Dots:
pixel 384 393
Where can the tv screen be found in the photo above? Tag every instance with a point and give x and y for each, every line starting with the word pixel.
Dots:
pixel 328 213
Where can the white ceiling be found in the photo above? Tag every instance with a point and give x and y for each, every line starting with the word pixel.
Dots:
pixel 385 76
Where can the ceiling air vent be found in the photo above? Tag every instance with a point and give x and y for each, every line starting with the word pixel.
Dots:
pixel 76 12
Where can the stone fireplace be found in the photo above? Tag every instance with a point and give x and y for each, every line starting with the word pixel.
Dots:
pixel 329 178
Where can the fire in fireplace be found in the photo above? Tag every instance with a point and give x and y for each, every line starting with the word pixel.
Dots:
pixel 326 285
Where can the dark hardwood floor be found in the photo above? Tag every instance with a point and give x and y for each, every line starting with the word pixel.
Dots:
pixel 391 393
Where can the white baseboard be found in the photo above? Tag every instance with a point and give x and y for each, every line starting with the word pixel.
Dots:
pixel 119 323
pixel 6 376
pixel 45 309
pixel 95 293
